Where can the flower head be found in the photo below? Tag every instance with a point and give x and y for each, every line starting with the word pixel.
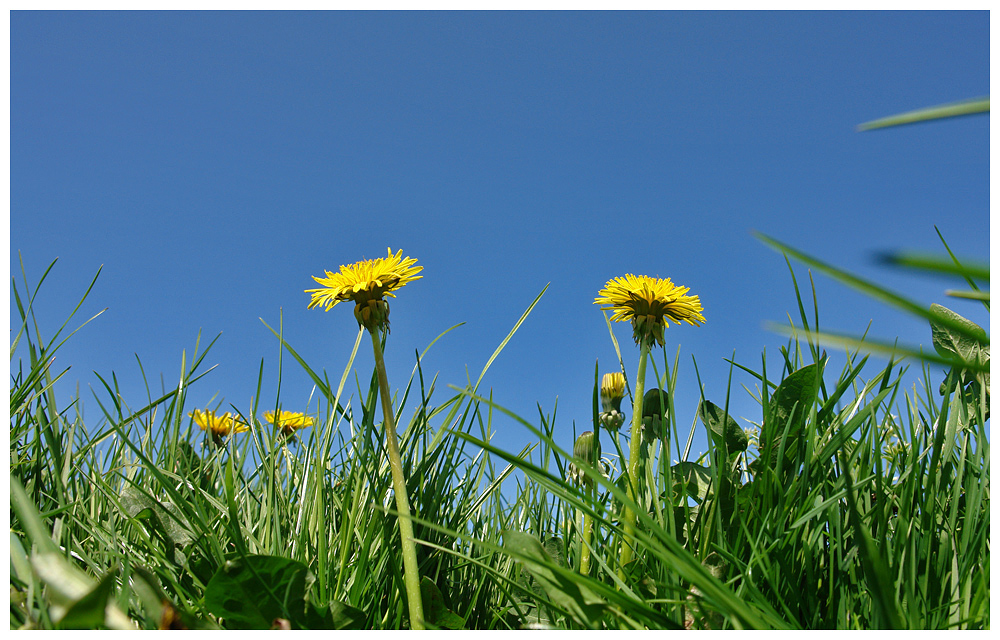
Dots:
pixel 218 426
pixel 366 283
pixel 649 303
pixel 288 421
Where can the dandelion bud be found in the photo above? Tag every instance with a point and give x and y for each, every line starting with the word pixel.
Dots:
pixel 585 450
pixel 612 391
pixel 655 412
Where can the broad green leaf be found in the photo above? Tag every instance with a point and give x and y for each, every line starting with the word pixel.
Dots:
pixel 723 428
pixel 345 616
pixel 697 616
pixel 435 611
pixel 554 547
pixel 638 578
pixel 251 593
pixel 967 345
pixel 789 407
pixel 695 479
pixel 335 617
pixel 582 604
pixel 165 518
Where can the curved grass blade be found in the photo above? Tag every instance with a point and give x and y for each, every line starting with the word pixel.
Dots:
pixel 503 344
pixel 950 110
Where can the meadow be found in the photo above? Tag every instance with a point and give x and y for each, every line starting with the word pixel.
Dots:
pixel 853 501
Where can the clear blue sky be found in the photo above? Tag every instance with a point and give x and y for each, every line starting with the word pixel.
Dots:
pixel 213 162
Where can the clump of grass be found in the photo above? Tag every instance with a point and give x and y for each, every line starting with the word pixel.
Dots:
pixel 862 503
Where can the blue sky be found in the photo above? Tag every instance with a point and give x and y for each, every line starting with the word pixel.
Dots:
pixel 212 162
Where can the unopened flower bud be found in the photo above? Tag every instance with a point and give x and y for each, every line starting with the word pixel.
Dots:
pixel 655 412
pixel 585 450
pixel 612 391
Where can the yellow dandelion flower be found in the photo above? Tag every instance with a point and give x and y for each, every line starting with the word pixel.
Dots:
pixel 366 283
pixel 219 426
pixel 288 421
pixel 649 303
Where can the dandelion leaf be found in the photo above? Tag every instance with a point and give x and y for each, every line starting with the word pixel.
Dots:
pixel 576 599
pixel 337 615
pixel 435 611
pixel 163 518
pixel 692 478
pixel 967 344
pixel 252 592
pixel 638 577
pixel 723 428
pixel 788 409
pixel 971 345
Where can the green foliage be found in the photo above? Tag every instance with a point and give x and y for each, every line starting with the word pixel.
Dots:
pixel 725 431
pixel 786 414
pixel 560 584
pixel 257 591
pixel 435 611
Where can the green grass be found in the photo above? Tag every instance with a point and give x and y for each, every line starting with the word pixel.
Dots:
pixel 862 503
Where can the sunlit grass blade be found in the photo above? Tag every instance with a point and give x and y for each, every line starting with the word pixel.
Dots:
pixel 950 110
pixel 969 295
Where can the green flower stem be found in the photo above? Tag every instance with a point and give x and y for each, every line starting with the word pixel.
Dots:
pixel 634 454
pixel 588 526
pixel 411 573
